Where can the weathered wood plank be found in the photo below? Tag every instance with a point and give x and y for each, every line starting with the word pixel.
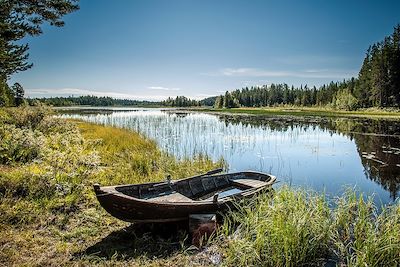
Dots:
pixel 249 183
pixel 174 197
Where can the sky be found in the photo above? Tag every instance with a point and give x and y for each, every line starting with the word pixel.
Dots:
pixel 152 49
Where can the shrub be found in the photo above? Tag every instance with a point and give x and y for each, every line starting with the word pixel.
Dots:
pixel 19 145
pixel 26 116
pixel 345 100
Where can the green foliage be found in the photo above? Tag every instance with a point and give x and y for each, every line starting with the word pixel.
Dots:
pixel 345 100
pixel 362 235
pixel 218 102
pixel 180 101
pixel 379 78
pixel 19 145
pixel 289 229
pixel 27 117
pixel 89 100
pixel 19 94
pixel 299 228
pixel 21 18
pixel 209 101
pixel 46 196
pixel 227 101
pixel 6 94
pixel 281 94
pixel 53 152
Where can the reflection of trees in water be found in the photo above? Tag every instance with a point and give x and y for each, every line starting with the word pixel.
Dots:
pixel 382 167
pixel 377 141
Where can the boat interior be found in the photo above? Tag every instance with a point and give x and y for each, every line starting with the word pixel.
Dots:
pixel 198 188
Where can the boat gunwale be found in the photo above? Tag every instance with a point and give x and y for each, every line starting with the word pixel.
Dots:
pixel 111 190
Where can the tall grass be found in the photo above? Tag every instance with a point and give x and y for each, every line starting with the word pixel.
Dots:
pixel 128 157
pixel 49 213
pixel 364 236
pixel 301 228
pixel 291 228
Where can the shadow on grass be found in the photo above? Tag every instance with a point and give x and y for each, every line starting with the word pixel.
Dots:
pixel 144 240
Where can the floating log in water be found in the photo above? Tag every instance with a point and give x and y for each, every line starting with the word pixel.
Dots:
pixel 368 156
pixel 380 162
pixel 373 158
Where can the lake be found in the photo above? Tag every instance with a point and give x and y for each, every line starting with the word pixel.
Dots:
pixel 325 154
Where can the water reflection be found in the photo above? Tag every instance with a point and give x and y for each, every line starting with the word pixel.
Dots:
pixel 377 142
pixel 324 153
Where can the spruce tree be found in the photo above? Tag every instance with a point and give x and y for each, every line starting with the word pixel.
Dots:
pixel 19 94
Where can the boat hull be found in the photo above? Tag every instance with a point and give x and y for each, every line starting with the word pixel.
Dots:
pixel 140 211
pixel 134 209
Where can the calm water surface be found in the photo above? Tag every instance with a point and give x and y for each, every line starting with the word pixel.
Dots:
pixel 324 154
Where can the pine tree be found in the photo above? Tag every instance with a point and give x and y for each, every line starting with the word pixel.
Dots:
pixel 19 94
pixel 19 18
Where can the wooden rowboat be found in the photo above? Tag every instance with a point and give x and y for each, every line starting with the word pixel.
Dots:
pixel 176 200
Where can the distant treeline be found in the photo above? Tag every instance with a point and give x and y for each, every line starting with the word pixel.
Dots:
pixel 180 101
pixel 377 85
pixel 337 94
pixel 91 100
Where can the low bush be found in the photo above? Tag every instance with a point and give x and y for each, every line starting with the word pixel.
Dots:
pixel 19 145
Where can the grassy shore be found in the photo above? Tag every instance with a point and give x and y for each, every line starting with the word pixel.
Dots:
pixel 49 214
pixel 308 111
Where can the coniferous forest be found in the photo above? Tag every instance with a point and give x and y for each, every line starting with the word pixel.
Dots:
pixel 89 100
pixel 377 85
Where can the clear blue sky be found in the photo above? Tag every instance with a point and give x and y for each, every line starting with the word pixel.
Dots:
pixel 152 49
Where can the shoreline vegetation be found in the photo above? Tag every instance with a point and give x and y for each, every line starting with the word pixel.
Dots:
pixel 50 215
pixel 306 111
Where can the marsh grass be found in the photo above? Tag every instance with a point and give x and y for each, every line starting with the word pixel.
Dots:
pixel 289 228
pixel 310 111
pixel 364 236
pixel 295 227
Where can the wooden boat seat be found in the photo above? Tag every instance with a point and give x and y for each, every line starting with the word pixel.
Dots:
pixel 173 197
pixel 249 183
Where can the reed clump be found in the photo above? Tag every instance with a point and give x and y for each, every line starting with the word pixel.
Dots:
pixel 295 227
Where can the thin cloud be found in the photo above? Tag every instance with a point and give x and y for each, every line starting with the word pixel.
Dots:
pixel 201 96
pixel 313 73
pixel 252 72
pixel 163 88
